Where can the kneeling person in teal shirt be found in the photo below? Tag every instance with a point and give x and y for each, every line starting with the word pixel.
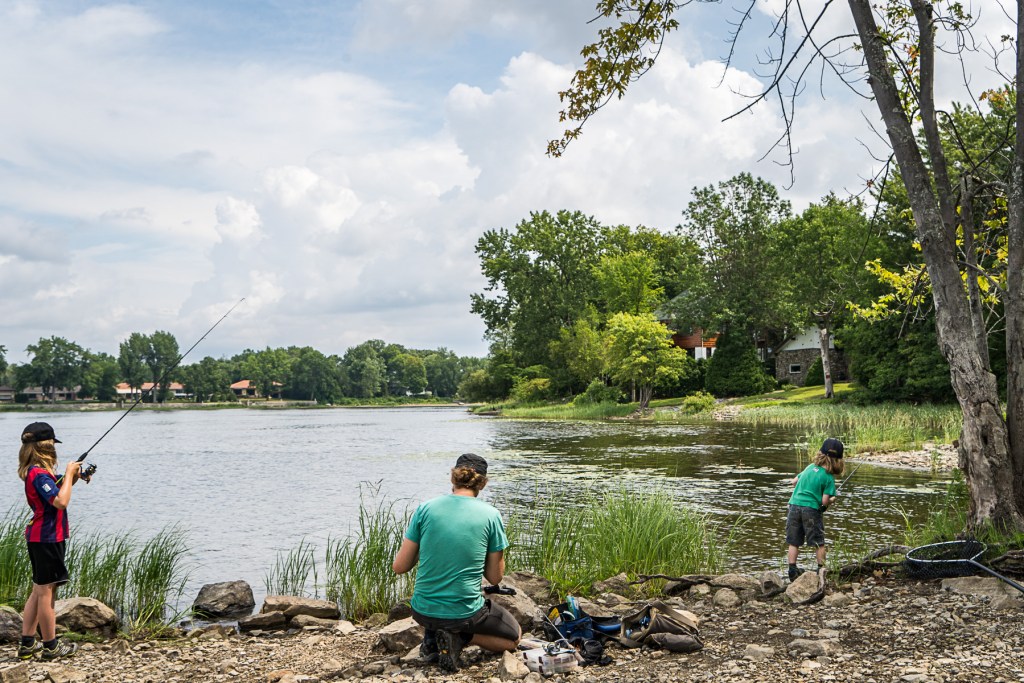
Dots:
pixel 458 540
pixel 814 489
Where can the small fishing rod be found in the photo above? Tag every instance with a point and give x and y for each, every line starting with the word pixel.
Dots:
pixel 848 477
pixel 88 469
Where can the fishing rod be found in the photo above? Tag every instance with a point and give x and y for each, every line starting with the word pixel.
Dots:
pixel 848 477
pixel 89 469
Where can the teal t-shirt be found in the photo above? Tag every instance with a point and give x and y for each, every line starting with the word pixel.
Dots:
pixel 811 485
pixel 455 534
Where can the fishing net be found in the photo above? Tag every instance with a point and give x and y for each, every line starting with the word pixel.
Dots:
pixel 943 560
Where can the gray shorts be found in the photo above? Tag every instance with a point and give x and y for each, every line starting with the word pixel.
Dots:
pixel 491 620
pixel 805 525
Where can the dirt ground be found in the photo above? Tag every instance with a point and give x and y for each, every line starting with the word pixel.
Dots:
pixel 882 629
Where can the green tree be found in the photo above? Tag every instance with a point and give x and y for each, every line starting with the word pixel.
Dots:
pixel 366 370
pixel 734 369
pixel 641 353
pixel 628 283
pixel 208 380
pixel 313 376
pixel 743 283
pixel 412 373
pixel 161 356
pixel 897 40
pixel 268 370
pixel 55 363
pixel 100 377
pixel 444 372
pixel 583 350
pixel 131 360
pixel 3 360
pixel 827 247
pixel 539 279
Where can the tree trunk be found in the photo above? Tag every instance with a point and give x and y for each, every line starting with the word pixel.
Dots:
pixel 826 364
pixel 646 391
pixel 1014 307
pixel 984 447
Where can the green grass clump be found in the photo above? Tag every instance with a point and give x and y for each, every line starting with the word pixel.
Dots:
pixel 882 427
pixel 291 572
pixel 138 581
pixel 568 411
pixel 624 531
pixel 359 574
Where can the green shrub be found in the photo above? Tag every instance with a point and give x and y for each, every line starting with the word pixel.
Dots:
pixel 531 390
pixel 697 402
pixel 734 369
pixel 815 374
pixel 598 392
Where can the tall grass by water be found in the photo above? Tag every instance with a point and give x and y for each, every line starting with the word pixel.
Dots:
pixel 567 411
pixel 139 580
pixel 622 531
pixel 882 427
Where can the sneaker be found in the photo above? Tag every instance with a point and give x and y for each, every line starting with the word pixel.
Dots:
pixel 795 572
pixel 61 650
pixel 30 651
pixel 449 646
pixel 428 648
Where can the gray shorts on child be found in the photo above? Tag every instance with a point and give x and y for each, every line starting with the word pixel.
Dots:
pixel 805 525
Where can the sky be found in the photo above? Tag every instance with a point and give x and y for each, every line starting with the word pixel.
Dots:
pixel 335 162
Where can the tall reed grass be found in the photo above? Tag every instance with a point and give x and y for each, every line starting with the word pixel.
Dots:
pixel 291 572
pixel 359 575
pixel 139 581
pixel 882 427
pixel 622 531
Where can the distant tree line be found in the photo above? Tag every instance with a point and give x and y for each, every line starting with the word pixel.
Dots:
pixel 371 369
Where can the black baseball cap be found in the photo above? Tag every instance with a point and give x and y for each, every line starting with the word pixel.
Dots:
pixel 832 448
pixel 473 462
pixel 38 431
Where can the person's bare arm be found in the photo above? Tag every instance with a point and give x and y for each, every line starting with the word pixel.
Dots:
pixel 407 557
pixel 63 497
pixel 494 567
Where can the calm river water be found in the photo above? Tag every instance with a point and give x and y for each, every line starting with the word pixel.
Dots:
pixel 246 484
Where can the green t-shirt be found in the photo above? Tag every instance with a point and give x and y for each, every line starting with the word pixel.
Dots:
pixel 455 534
pixel 811 485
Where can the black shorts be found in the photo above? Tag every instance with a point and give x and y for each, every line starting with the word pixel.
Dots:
pixel 491 620
pixel 804 524
pixel 48 563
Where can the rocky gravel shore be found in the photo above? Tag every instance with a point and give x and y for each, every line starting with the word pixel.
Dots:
pixel 878 629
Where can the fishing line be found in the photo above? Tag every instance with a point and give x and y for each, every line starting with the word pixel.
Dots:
pixel 89 469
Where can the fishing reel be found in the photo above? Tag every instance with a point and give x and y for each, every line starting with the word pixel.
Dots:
pixel 499 590
pixel 88 469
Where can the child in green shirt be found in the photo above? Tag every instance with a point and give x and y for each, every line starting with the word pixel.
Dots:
pixel 814 489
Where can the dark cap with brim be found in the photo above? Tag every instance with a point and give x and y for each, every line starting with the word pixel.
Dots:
pixel 832 448
pixel 38 431
pixel 473 462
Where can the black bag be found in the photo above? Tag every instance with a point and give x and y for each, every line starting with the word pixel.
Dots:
pixel 658 625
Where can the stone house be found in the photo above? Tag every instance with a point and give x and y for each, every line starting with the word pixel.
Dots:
pixel 797 354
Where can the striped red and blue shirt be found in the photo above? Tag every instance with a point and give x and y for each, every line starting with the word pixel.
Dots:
pixel 49 524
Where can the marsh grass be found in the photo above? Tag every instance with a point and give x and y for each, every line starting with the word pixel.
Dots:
pixel 623 531
pixel 590 411
pixel 290 574
pixel 882 427
pixel 15 570
pixel 139 581
pixel 358 568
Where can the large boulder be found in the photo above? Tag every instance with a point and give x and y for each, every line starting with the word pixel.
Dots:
pixel 737 582
pixel 401 635
pixel 805 586
pixel 264 621
pixel 14 673
pixel 225 599
pixel 980 587
pixel 86 615
pixel 521 606
pixel 538 588
pixel 10 625
pixel 292 606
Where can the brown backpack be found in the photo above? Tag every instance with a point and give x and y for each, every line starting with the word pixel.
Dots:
pixel 660 626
